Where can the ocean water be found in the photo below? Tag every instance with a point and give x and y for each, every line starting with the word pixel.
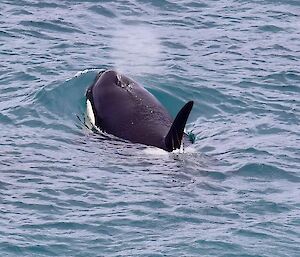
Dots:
pixel 67 191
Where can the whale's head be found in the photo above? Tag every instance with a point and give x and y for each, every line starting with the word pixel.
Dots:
pixel 111 78
pixel 105 79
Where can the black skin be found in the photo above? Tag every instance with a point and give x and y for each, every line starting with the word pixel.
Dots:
pixel 127 110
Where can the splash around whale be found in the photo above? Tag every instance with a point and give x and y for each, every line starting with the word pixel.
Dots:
pixel 120 106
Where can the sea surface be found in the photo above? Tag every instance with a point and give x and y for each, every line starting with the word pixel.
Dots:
pixel 68 191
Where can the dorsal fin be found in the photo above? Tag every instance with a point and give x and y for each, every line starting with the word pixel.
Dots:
pixel 175 134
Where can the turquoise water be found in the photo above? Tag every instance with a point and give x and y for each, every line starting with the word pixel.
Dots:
pixel 66 191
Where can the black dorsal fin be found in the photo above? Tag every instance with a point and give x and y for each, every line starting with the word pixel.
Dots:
pixel 175 134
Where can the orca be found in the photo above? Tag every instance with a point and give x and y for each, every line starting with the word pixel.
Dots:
pixel 120 106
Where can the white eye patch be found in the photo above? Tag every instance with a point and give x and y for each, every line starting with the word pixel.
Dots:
pixel 90 112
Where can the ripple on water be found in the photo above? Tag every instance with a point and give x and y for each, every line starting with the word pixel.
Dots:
pixel 53 25
pixel 65 188
pixel 256 170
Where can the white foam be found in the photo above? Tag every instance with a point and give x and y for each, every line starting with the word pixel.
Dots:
pixel 83 72
pixel 79 73
pixel 157 151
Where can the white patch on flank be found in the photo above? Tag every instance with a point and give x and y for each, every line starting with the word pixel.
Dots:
pixel 90 112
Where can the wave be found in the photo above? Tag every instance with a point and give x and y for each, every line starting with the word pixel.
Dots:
pixel 266 171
